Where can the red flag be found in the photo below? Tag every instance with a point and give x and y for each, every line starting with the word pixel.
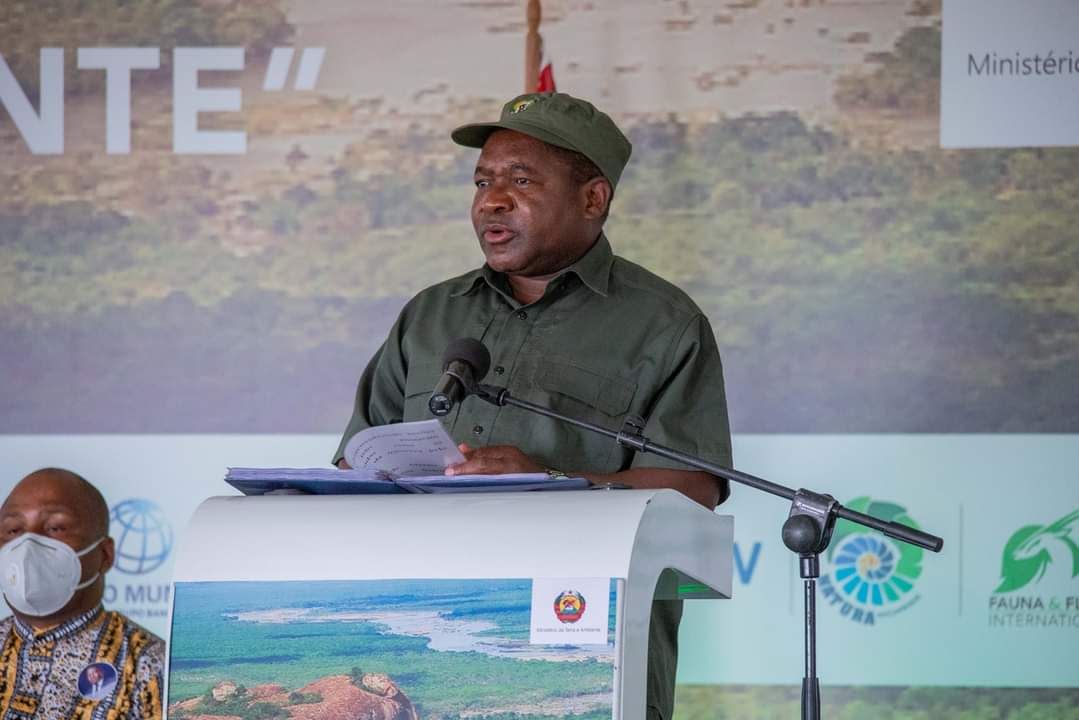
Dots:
pixel 545 82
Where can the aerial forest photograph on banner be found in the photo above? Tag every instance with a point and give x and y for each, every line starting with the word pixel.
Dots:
pixel 786 172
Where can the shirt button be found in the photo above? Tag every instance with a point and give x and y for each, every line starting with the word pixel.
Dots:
pixel 478 430
pixel 522 314
pixel 499 370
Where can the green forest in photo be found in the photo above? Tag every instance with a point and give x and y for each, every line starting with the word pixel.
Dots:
pixel 939 290
pixel 711 702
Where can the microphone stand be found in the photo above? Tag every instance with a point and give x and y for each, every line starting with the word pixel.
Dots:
pixel 807 530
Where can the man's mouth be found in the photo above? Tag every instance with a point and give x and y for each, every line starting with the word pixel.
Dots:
pixel 497 234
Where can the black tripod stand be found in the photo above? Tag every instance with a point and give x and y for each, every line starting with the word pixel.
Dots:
pixel 807 530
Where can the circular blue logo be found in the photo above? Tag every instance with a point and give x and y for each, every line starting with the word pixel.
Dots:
pixel 143 536
pixel 871 576
pixel 865 567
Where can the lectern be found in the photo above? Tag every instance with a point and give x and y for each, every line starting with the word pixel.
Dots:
pixel 451 605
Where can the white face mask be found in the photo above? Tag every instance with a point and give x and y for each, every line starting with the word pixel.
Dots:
pixel 39 575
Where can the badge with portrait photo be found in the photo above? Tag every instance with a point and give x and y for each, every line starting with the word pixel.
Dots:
pixel 96 681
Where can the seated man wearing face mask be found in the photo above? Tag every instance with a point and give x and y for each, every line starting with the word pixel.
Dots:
pixel 62 655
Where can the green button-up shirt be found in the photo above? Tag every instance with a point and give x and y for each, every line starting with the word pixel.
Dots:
pixel 607 338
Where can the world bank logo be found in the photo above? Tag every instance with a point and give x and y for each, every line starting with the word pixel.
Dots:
pixel 871 576
pixel 143 536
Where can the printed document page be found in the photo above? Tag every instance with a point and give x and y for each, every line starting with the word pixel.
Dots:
pixel 421 448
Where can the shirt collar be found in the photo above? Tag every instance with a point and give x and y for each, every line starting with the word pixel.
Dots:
pixel 593 268
pixel 62 630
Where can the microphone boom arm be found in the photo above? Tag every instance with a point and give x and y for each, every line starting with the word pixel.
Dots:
pixel 632 437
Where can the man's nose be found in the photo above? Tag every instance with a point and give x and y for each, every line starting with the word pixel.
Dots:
pixel 497 200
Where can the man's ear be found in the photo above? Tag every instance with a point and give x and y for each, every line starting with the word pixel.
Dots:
pixel 108 554
pixel 597 195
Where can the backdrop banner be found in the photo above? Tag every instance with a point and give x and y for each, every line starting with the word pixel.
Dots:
pixel 212 213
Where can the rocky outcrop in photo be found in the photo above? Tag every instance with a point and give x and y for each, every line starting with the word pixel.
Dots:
pixel 370 696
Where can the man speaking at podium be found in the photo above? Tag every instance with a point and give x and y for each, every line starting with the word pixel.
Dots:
pixel 569 325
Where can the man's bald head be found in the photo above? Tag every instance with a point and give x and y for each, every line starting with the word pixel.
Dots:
pixel 75 490
pixel 62 506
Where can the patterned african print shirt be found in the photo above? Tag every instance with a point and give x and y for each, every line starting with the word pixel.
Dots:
pixel 97 666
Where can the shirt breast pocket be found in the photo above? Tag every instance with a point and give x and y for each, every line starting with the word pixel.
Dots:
pixel 585 393
pixel 419 383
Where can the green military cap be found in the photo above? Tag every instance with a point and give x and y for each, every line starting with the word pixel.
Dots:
pixel 561 120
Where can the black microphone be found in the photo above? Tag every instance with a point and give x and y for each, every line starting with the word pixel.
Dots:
pixel 464 363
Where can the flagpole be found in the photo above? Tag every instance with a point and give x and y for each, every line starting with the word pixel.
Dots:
pixel 533 46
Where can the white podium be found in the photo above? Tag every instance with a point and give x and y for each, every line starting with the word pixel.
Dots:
pixel 413 588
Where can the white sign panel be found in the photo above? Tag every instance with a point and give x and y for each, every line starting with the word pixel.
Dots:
pixel 1010 73
pixel 570 611
pixel 998 607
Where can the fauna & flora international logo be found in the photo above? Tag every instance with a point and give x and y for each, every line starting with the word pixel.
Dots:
pixel 1038 571
pixel 871 576
pixel 569 606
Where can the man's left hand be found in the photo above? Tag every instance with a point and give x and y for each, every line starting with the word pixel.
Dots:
pixel 493 460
